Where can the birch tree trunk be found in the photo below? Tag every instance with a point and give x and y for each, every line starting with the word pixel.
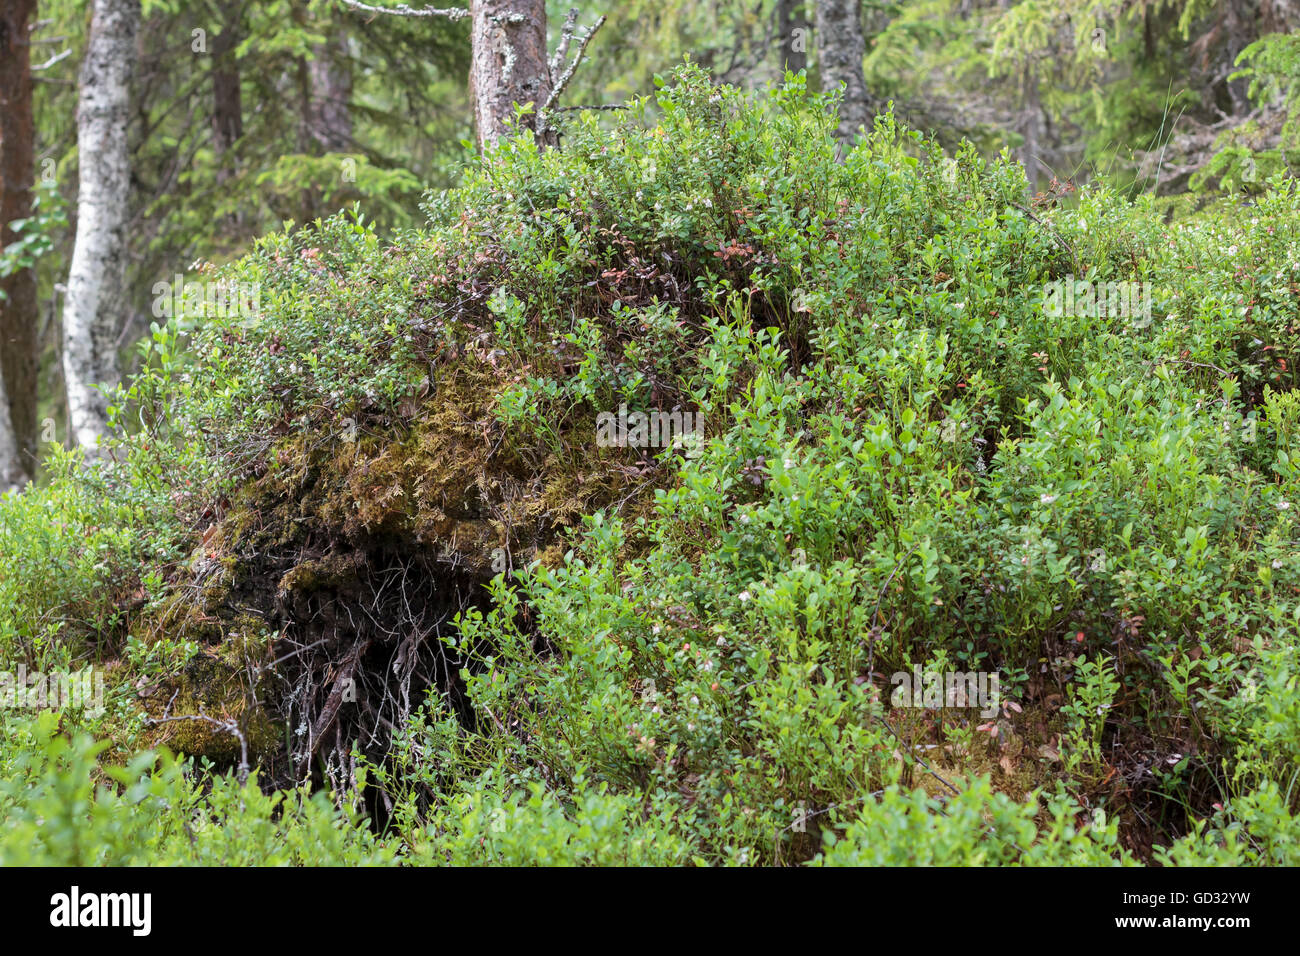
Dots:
pixel 96 299
pixel 508 64
pixel 840 50
pixel 12 474
pixel 18 306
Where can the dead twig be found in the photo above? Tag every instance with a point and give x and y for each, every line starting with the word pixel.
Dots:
pixel 229 725
pixel 402 10
pixel 1055 235
pixel 558 83
pixel 330 712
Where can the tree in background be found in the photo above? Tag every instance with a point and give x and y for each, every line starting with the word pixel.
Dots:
pixel 227 93
pixel 508 63
pixel 18 303
pixel 330 83
pixel 840 50
pixel 216 158
pixel 12 474
pixel 509 68
pixel 96 300
pixel 247 115
pixel 792 30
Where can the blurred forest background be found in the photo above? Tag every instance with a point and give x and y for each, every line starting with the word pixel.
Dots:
pixel 246 115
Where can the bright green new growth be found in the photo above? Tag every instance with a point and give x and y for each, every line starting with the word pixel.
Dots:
pixel 907 463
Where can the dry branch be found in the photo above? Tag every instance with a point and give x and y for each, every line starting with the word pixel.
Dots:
pixel 402 10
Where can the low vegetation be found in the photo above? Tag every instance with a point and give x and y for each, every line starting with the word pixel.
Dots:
pixel 363 564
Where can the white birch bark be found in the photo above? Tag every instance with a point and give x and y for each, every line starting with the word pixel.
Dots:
pixel 95 306
pixel 12 474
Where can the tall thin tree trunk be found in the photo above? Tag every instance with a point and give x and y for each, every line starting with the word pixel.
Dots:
pixel 1031 126
pixel 96 299
pixel 330 77
pixel 508 64
pixel 840 51
pixel 19 311
pixel 792 31
pixel 12 474
pixel 227 99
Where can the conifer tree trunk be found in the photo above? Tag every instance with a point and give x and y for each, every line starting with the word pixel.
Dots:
pixel 509 63
pixel 330 77
pixel 18 306
pixel 227 95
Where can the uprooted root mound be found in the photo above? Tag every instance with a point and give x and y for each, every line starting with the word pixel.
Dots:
pixel 352 554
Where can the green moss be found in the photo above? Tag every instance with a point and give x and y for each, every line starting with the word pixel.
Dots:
pixel 214 683
pixel 332 570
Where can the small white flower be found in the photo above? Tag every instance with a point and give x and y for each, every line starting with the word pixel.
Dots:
pixel 655 629
pixel 745 596
pixel 1283 505
pixel 1047 499
pixel 1277 563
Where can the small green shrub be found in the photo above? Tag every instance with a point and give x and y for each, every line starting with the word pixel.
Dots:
pixel 63 808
